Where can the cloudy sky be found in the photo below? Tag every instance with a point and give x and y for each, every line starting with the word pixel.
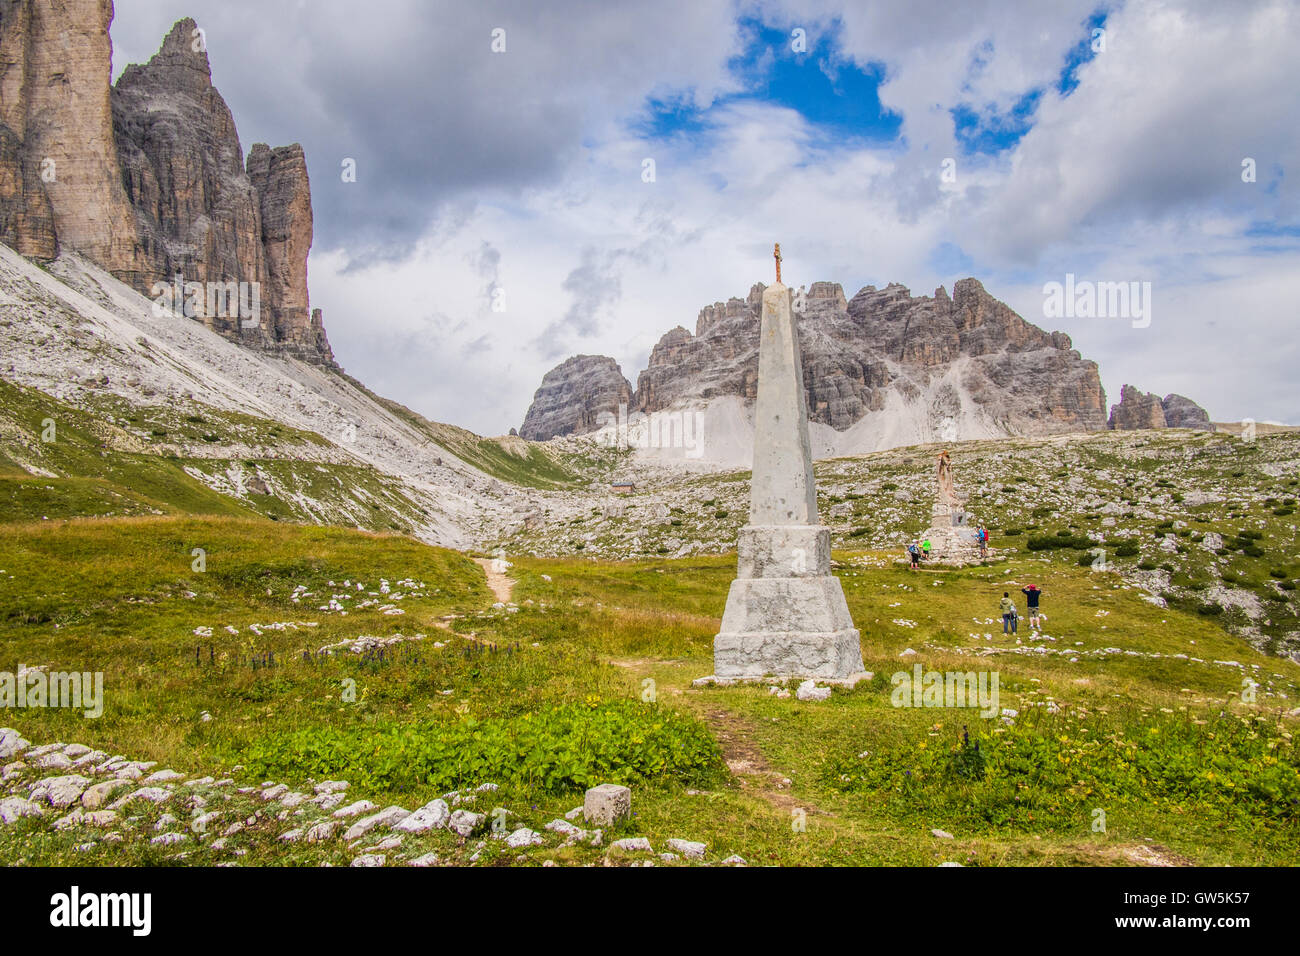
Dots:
pixel 504 215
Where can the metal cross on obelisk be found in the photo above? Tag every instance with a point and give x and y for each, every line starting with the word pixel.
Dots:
pixel 786 614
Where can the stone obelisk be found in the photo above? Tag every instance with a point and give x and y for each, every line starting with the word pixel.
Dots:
pixel 786 615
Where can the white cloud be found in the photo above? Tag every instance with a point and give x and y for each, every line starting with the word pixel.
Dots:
pixel 1133 176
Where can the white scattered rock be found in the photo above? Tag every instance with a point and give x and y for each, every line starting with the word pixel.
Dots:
pixel 322 831
pixel 162 776
pixel 809 690
pixel 370 859
pixel 524 837
pixel 941 834
pixel 632 845
pixel 44 749
pixel 73 819
pixel 426 859
pixel 169 839
pixel 60 791
pixel 152 794
pixel 352 809
pixel 11 808
pixel 201 823
pixel 465 822
pixel 433 814
pixel 734 860
pixel 331 786
pixel 11 743
pixel 387 817
pixel 688 848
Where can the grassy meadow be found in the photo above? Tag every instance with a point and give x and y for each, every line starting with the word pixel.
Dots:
pixel 214 666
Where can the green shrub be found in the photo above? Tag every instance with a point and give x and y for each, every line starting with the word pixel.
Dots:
pixel 1060 540
pixel 1232 771
pixel 1127 550
pixel 562 748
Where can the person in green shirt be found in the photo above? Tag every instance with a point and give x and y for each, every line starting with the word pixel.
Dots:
pixel 1008 609
pixel 925 548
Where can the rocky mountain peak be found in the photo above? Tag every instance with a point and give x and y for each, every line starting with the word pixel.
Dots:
pixel 576 395
pixel 882 368
pixel 1138 409
pixel 151 181
pixel 181 62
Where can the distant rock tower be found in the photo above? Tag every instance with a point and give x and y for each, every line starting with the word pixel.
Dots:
pixel 786 615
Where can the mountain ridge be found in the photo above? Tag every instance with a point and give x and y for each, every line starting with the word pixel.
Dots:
pixel 942 367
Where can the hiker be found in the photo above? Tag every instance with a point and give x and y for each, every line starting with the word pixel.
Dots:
pixel 983 535
pixel 925 549
pixel 914 553
pixel 1008 609
pixel 1032 594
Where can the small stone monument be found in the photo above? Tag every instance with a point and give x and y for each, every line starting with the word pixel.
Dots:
pixel 786 615
pixel 952 541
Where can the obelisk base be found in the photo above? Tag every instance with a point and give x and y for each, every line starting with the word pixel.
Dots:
pixel 786 615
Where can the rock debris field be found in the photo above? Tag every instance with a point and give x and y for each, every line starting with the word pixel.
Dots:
pixel 104 805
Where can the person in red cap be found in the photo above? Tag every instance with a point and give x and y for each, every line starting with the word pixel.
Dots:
pixel 1032 594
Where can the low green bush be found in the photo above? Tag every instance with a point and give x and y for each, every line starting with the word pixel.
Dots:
pixel 568 747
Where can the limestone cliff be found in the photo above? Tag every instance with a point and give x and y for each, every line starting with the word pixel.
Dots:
pixel 279 177
pixel 1137 409
pixel 1181 412
pixel 147 178
pixel 200 212
pixel 575 396
pixel 54 100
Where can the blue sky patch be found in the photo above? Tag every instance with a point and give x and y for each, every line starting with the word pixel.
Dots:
pixel 1081 53
pixel 839 99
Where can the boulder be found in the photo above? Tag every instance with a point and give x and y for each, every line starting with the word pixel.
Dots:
pixel 607 804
